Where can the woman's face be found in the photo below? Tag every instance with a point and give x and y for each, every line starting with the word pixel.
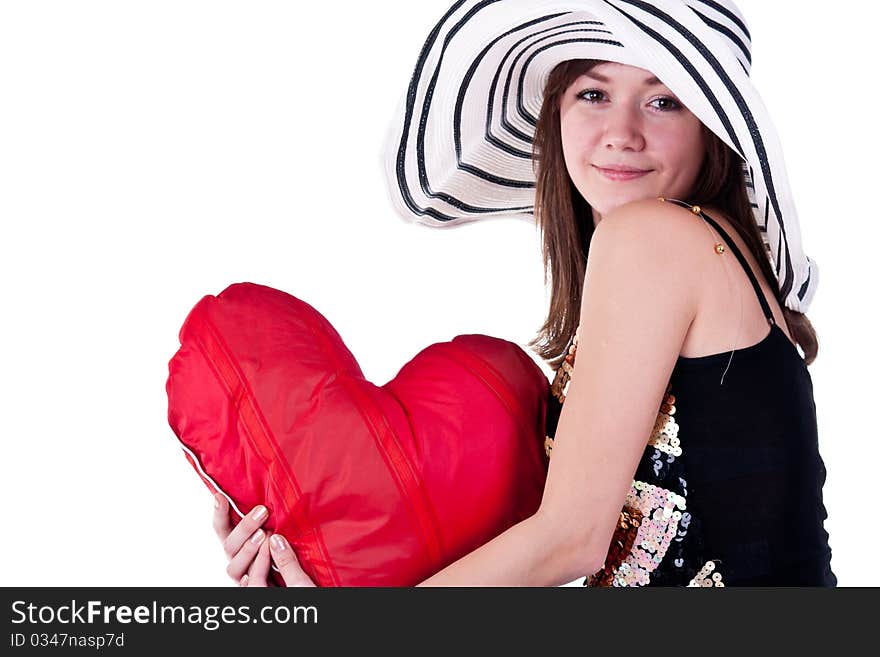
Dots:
pixel 620 116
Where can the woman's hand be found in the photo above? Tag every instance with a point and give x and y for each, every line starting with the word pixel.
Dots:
pixel 250 554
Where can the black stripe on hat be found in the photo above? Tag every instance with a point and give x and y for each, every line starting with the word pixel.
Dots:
pixel 490 137
pixel 410 102
pixel 763 226
pixel 420 138
pixel 521 110
pixel 408 112
pixel 506 93
pixel 721 9
pixel 462 92
pixel 737 96
pixel 733 36
pixel 520 107
pixel 803 291
pixel 776 261
pixel 778 252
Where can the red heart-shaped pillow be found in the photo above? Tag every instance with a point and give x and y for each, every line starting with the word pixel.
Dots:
pixel 373 485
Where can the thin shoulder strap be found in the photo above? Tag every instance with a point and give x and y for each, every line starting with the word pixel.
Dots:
pixel 739 256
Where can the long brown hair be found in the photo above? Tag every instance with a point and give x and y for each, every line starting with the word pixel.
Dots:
pixel 566 222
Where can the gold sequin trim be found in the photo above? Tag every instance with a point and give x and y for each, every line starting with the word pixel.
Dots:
pixel 622 542
pixel 559 387
pixel 665 433
pixel 706 578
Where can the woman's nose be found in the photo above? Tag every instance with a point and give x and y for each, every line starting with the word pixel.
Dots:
pixel 623 130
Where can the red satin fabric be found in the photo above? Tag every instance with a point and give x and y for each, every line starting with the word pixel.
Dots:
pixel 372 485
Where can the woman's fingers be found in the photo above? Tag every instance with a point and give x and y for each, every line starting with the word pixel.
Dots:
pixel 242 543
pixel 287 562
pixel 258 572
pixel 241 562
pixel 222 523
pixel 243 532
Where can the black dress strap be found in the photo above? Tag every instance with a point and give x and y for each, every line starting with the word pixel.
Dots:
pixel 739 256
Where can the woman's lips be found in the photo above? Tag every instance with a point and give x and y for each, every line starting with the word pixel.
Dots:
pixel 611 174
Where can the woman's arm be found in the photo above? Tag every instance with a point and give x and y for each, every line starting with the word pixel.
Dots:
pixel 639 298
pixel 524 555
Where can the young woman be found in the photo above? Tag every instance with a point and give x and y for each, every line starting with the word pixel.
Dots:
pixel 686 450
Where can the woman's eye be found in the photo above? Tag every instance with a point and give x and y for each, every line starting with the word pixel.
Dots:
pixel 588 95
pixel 671 105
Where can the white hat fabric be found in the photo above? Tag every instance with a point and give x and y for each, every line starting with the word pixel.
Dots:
pixel 460 146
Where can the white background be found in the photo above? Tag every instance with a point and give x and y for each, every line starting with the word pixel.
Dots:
pixel 154 152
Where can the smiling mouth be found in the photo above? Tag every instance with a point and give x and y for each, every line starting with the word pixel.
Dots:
pixel 622 175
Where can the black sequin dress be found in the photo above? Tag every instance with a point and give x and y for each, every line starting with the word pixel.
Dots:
pixel 729 488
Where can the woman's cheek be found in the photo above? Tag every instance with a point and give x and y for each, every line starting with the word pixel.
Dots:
pixel 684 151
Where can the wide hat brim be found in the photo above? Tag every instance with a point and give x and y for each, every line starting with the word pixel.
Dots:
pixel 459 148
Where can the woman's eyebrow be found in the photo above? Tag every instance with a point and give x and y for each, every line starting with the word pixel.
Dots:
pixel 601 78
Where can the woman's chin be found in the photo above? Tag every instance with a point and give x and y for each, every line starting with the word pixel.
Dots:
pixel 609 205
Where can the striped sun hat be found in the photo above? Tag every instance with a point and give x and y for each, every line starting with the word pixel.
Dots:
pixel 460 145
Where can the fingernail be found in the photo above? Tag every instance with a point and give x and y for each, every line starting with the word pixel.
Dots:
pixel 259 512
pixel 258 537
pixel 243 581
pixel 277 541
pixel 217 501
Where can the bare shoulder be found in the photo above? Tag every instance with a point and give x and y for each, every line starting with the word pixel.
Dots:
pixel 652 217
pixel 666 232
